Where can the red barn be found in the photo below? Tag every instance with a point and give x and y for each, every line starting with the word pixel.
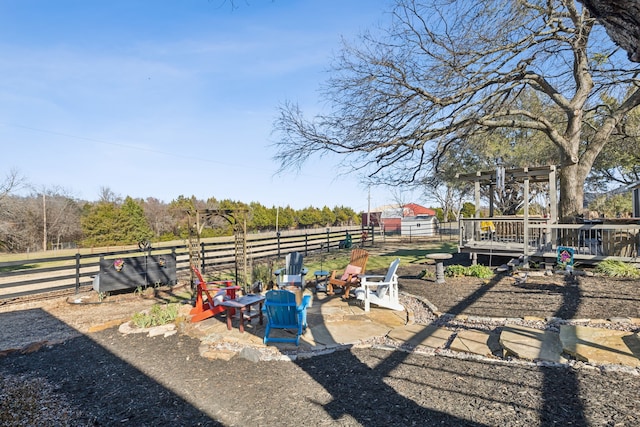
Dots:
pixel 390 216
pixel 411 209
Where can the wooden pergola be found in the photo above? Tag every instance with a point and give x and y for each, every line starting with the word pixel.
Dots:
pixel 524 176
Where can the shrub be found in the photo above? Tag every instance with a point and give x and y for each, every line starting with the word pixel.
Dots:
pixel 261 272
pixel 159 314
pixel 455 270
pixel 481 271
pixel 615 268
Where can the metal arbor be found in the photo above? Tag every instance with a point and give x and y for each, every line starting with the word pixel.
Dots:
pixel 200 218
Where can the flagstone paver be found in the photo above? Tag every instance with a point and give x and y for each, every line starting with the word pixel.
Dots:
pixel 599 345
pixel 475 342
pixel 429 336
pixel 532 344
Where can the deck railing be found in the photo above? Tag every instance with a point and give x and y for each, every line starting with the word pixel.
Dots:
pixel 590 241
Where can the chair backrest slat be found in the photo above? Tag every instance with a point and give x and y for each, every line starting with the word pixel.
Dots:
pixel 359 258
pixel 281 307
pixel 392 270
pixel 294 263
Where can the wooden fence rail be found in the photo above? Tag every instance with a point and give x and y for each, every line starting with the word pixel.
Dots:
pixel 71 272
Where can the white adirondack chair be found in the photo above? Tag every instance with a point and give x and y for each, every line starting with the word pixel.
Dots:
pixel 380 290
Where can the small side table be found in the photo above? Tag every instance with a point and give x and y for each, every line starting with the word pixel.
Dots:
pixel 243 304
pixel 321 275
pixel 439 259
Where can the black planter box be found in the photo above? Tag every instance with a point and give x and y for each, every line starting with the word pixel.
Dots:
pixel 132 272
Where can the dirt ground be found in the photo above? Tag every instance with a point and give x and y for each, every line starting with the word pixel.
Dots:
pixel 104 378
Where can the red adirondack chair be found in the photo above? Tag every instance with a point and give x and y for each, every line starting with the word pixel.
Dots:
pixel 209 295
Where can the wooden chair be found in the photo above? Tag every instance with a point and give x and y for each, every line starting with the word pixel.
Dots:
pixel 294 272
pixel 284 313
pixel 349 277
pixel 381 290
pixel 215 293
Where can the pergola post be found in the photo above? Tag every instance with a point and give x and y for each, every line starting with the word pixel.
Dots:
pixel 552 234
pixel 474 256
pixel 525 254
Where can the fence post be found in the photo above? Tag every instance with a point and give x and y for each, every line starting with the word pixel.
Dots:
pixel 328 245
pixel 306 243
pixel 278 237
pixel 202 260
pixel 372 234
pixel 78 272
pixel 175 257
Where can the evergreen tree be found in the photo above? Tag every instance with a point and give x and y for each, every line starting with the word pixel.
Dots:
pixel 133 225
pixel 328 218
pixel 99 223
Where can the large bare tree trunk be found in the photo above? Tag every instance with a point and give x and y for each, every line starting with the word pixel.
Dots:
pixel 572 191
pixel 621 18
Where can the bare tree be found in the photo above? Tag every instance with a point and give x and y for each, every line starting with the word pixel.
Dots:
pixel 158 216
pixel 107 195
pixel 399 196
pixel 63 218
pixel 445 72
pixel 12 182
pixel 447 194
pixel 8 227
pixel 50 216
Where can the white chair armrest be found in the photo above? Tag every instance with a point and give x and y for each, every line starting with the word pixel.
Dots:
pixel 370 276
pixel 370 279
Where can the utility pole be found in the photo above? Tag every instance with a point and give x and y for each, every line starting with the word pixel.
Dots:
pixel 369 208
pixel 44 222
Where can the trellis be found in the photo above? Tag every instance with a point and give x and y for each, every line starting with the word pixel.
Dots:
pixel 200 218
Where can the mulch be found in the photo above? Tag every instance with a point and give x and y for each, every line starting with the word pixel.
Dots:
pixel 506 296
pixel 106 378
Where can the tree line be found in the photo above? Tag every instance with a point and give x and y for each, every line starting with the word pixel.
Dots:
pixel 52 219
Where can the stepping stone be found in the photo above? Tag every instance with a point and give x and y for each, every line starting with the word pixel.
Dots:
pixel 387 317
pixel 598 345
pixel 532 344
pixel 475 342
pixel 346 332
pixel 429 336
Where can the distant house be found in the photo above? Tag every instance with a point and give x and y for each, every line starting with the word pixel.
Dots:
pixel 389 217
pixel 419 225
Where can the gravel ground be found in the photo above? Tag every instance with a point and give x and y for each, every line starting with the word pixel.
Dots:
pixel 106 378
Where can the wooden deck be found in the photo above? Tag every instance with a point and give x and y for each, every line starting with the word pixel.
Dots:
pixel 590 242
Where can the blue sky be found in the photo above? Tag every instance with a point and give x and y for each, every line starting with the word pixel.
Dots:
pixel 168 98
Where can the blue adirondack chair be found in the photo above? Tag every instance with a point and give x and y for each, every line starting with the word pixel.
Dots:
pixel 283 313
pixel 293 273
